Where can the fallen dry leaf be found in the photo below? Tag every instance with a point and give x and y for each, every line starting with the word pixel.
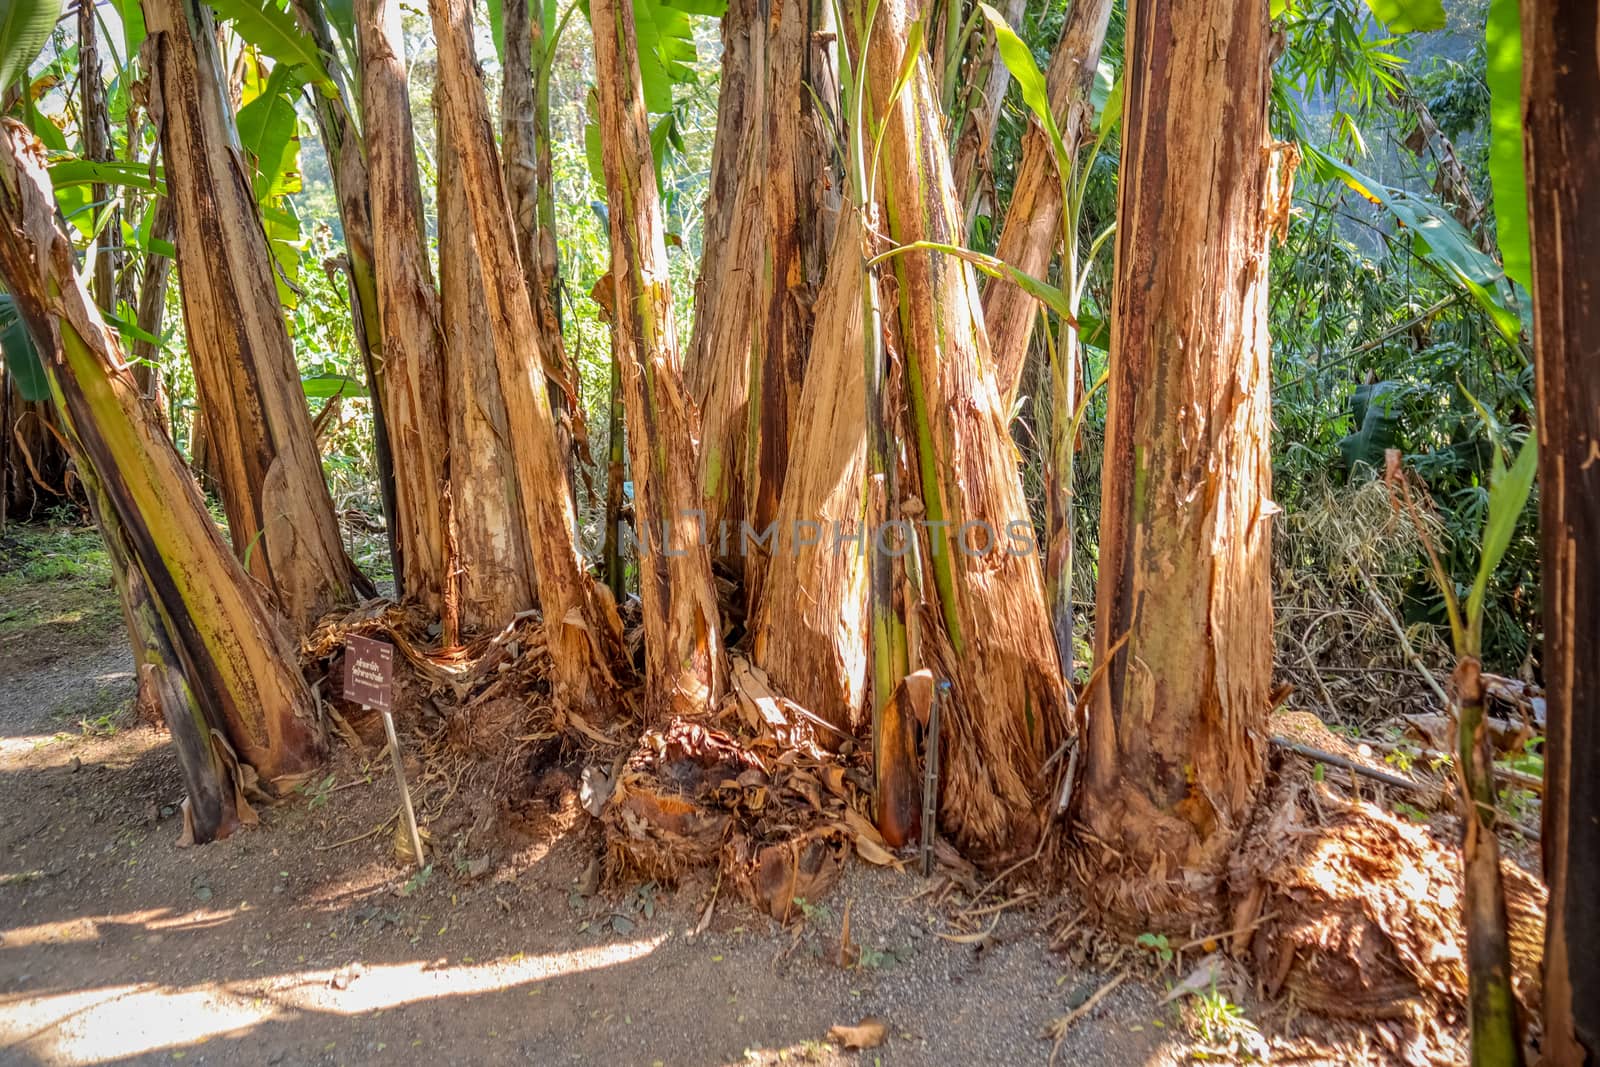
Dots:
pixel 1205 975
pixel 875 854
pixel 868 1033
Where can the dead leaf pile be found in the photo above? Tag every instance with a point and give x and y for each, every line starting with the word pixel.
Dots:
pixel 1357 913
pixel 779 813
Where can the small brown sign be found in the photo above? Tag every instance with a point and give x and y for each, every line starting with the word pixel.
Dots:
pixel 368 672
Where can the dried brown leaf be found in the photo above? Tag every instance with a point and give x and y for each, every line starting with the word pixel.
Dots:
pixel 868 1033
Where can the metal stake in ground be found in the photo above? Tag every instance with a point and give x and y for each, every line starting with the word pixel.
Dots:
pixel 930 778
pixel 369 681
pixel 405 793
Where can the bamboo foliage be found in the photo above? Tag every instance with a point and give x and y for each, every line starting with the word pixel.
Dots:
pixel 226 664
pixel 1031 233
pixel 685 668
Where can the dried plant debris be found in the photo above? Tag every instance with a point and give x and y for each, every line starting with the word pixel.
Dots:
pixel 1354 913
pixel 778 822
pixel 868 1033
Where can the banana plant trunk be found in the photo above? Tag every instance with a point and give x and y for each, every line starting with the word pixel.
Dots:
pixel 1183 621
pixel 413 380
pixel 685 666
pixel 1031 234
pixel 347 166
pixel 151 310
pixel 211 804
pixel 35 472
pixel 227 666
pixel 525 146
pixel 583 630
pixel 258 430
pixel 972 136
pixel 497 576
pixel 987 632
pixel 770 220
pixel 94 123
pixel 1561 145
pixel 810 630
pixel 721 348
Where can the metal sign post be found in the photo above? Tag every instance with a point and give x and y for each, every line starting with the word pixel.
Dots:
pixel 369 681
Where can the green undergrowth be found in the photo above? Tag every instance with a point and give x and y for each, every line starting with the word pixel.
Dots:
pixel 56 590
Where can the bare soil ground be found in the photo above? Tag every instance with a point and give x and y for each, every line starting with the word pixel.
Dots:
pixel 306 941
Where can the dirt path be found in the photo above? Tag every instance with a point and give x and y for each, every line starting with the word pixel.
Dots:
pixel 293 944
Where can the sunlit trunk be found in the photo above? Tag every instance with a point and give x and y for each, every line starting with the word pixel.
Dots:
pixel 258 429
pixel 584 633
pixel 239 672
pixel 685 666
pixel 810 631
pixel 1561 144
pixel 413 380
pixel 497 578
pixel 984 596
pixel 1183 617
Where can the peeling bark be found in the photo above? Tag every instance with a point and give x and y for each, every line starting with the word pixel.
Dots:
pixel 1183 620
pixel 722 348
pixel 735 112
pixel 583 630
pixel 525 150
pixel 800 208
pixel 497 578
pixel 279 512
pixel 768 228
pixel 810 631
pixel 1561 144
pixel 347 165
pixel 685 666
pixel 413 380
pixel 1007 708
pixel 239 671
